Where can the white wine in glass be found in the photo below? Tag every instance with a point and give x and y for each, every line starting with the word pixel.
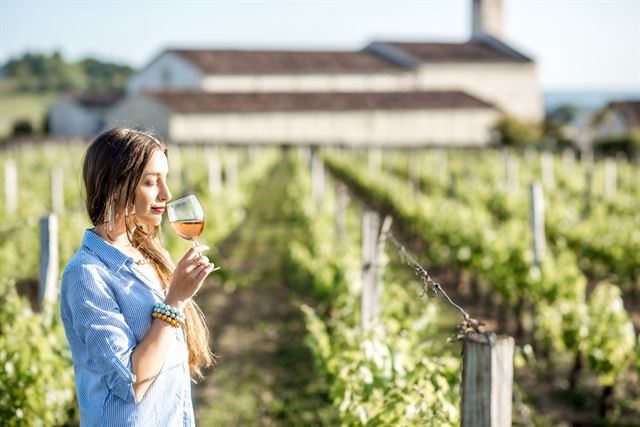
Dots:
pixel 189 229
pixel 187 218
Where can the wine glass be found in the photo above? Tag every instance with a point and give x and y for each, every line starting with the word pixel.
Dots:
pixel 187 218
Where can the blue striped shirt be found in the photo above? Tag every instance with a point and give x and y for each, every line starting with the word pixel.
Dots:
pixel 106 305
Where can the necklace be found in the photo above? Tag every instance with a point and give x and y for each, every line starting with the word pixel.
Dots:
pixel 141 261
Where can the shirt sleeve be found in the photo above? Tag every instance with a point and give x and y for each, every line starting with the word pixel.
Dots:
pixel 100 326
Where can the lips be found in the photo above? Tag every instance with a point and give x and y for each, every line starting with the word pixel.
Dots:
pixel 158 209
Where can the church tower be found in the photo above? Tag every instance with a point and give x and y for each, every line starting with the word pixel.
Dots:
pixel 486 19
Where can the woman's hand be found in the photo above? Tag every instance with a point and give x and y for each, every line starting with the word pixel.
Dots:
pixel 188 276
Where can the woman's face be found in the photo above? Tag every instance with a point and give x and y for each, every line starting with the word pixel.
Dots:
pixel 152 192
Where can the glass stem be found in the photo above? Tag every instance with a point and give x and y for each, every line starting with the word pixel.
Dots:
pixel 195 245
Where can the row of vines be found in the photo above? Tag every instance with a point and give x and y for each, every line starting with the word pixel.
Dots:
pixel 466 214
pixel 571 313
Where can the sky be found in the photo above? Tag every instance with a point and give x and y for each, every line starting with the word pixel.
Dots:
pixel 577 44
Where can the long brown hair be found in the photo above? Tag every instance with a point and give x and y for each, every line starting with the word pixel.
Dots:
pixel 113 166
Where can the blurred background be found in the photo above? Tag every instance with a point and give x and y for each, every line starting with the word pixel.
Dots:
pixel 70 69
pixel 502 136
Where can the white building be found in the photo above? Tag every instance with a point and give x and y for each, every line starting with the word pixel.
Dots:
pixel 346 118
pixel 269 71
pixel 179 86
pixel 80 115
pixel 484 67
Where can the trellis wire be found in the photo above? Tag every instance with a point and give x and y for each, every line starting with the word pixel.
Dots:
pixel 469 323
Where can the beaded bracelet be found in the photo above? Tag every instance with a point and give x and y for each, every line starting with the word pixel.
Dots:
pixel 169 314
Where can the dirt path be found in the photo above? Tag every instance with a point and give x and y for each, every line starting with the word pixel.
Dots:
pixel 265 374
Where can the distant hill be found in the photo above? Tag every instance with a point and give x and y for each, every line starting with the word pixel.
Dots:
pixel 42 73
pixel 586 100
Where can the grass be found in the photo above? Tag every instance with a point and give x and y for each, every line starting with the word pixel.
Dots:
pixel 265 374
pixel 17 106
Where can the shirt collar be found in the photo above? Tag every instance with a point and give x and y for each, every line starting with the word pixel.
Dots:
pixel 108 253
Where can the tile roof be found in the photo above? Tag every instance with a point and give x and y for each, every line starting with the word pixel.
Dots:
pixel 475 50
pixel 202 102
pixel 630 111
pixel 91 100
pixel 284 62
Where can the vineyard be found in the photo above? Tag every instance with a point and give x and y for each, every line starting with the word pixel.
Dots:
pixel 541 247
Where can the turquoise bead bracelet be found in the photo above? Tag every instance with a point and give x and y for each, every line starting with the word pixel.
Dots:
pixel 169 314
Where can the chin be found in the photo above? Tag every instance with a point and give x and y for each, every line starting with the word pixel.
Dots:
pixel 151 221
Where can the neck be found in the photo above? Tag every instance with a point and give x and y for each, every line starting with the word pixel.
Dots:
pixel 117 237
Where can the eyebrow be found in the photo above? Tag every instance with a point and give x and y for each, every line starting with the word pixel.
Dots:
pixel 155 173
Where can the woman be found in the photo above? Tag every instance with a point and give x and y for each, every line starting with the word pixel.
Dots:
pixel 133 356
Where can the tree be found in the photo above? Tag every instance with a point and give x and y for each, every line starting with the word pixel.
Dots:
pixel 104 76
pixel 22 127
pixel 556 123
pixel 628 143
pixel 515 132
pixel 34 72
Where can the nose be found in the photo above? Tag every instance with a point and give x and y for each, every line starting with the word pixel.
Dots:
pixel 164 195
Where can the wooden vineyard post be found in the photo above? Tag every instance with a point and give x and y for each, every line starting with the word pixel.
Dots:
pixel 11 186
pixel 588 190
pixel 413 168
pixel 451 188
pixel 375 161
pixel 511 173
pixel 487 381
pixel 610 178
pixel 391 159
pixel 48 280
pixel 57 190
pixel 546 165
pixel 370 225
pixel 442 163
pixel 341 213
pixel 304 154
pixel 537 223
pixel 569 157
pixel 586 157
pixel 252 152
pixel 215 176
pixel 317 177
pixel 381 259
pixel 373 238
pixel 529 155
pixel 231 170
